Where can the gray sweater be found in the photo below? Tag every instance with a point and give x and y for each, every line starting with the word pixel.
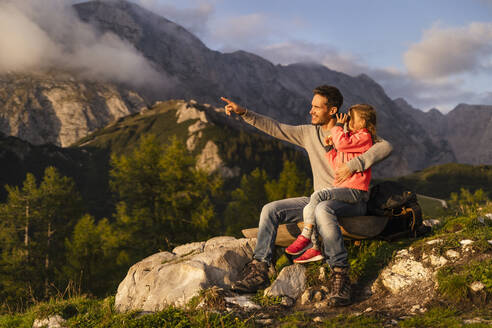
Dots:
pixel 306 136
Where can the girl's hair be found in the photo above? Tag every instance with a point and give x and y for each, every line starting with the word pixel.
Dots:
pixel 368 113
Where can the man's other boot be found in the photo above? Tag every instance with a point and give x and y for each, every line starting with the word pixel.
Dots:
pixel 340 288
pixel 254 276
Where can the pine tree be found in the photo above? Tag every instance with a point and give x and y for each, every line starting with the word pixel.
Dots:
pixel 244 209
pixel 163 199
pixel 93 259
pixel 38 219
pixel 291 183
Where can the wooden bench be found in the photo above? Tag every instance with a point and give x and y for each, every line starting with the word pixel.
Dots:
pixel 353 228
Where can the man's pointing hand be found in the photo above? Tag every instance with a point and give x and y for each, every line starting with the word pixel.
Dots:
pixel 232 106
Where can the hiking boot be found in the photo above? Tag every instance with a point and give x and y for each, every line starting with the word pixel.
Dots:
pixel 254 276
pixel 298 246
pixel 340 287
pixel 311 255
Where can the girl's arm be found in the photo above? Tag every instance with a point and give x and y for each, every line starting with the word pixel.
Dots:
pixel 355 143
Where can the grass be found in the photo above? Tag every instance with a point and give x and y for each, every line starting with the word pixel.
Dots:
pixel 353 321
pixel 262 300
pixel 454 281
pixel 443 317
pixel 83 312
pixel 367 259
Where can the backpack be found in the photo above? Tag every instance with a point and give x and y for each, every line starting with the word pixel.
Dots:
pixel 400 204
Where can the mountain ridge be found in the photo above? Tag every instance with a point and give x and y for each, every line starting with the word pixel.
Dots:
pixel 192 71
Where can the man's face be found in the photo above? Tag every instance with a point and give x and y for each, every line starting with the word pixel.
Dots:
pixel 320 113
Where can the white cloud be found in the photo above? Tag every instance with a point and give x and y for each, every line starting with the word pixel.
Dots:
pixel 37 34
pixel 443 94
pixel 444 52
pixel 24 44
pixel 302 51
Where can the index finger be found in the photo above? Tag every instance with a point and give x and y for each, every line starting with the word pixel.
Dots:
pixel 226 100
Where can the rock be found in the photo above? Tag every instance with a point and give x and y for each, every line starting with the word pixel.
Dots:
pixel 476 320
pixel 322 274
pixel 190 248
pixel 192 141
pixel 188 111
pixel 415 308
pixel 405 272
pixel 318 296
pixel 306 296
pixel 218 242
pixel 322 304
pixel 466 242
pixel 318 319
pixel 165 278
pixel 243 301
pixel 485 218
pixel 290 282
pixel 197 126
pixel 287 301
pixel 54 321
pixel 489 241
pixel 431 223
pixel 60 108
pixel 477 286
pixel 434 241
pixel 210 161
pixel 266 322
pixel 369 309
pixel 452 254
pixel 436 261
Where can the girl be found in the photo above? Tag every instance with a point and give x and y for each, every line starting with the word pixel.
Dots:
pixel 347 145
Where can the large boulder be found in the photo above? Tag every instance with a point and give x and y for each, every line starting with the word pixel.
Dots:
pixel 173 278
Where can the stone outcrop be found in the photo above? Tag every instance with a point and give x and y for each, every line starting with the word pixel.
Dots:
pixel 209 158
pixel 291 282
pixel 410 280
pixel 54 321
pixel 58 108
pixel 173 278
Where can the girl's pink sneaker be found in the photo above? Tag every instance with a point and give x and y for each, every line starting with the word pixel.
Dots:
pixel 299 245
pixel 311 255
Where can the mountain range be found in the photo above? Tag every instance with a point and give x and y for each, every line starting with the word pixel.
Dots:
pixel 60 108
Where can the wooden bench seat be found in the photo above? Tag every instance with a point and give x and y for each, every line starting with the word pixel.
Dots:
pixel 356 228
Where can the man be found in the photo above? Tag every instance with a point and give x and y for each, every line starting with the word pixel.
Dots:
pixel 326 102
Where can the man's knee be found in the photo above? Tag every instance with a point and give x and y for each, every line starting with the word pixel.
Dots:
pixel 270 209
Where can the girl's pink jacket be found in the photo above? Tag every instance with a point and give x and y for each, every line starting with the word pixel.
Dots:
pixel 347 146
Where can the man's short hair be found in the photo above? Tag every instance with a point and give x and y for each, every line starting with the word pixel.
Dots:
pixel 332 94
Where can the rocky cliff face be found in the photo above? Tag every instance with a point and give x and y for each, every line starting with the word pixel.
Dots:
pixel 466 130
pixel 58 108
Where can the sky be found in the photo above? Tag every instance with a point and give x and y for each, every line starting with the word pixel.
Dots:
pixel 435 54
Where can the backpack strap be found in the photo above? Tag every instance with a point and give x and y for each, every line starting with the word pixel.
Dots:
pixel 327 148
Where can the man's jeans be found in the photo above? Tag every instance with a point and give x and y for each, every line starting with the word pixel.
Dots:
pixel 290 210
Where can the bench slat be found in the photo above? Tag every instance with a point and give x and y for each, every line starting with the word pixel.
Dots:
pixel 359 227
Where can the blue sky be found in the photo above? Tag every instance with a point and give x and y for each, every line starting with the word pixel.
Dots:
pixel 432 53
